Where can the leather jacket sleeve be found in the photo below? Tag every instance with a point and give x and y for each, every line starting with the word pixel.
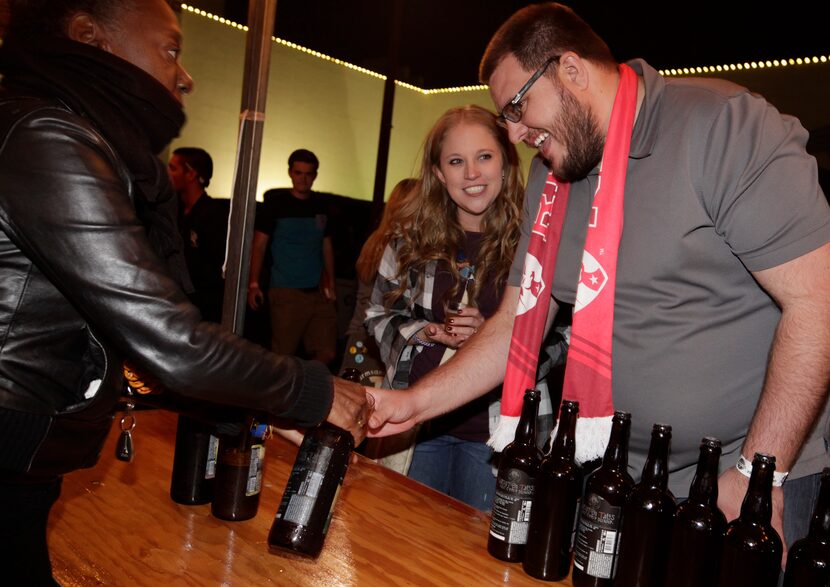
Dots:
pixel 65 201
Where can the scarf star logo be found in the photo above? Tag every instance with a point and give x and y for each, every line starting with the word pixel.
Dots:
pixel 592 280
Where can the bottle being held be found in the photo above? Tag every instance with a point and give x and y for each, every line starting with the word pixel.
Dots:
pixel 752 550
pixel 515 483
pixel 239 473
pixel 808 561
pixel 194 462
pixel 555 503
pixel 596 544
pixel 305 510
pixel 697 532
pixel 647 519
pixel 307 504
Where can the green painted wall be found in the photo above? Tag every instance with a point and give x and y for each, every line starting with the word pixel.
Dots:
pixel 335 111
pixel 312 103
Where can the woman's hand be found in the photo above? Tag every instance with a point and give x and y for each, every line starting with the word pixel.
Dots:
pixel 463 323
pixel 458 327
pixel 294 435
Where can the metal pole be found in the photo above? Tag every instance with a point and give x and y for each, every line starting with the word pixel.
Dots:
pixel 386 113
pixel 261 15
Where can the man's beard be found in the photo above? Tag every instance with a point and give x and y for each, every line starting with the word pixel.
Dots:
pixel 577 130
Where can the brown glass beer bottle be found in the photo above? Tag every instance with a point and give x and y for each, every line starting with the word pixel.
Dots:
pixel 596 544
pixel 647 519
pixel 808 561
pixel 555 501
pixel 194 462
pixel 751 555
pixel 239 474
pixel 515 483
pixel 305 510
pixel 697 532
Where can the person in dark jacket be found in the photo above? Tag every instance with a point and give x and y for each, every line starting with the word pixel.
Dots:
pixel 203 224
pixel 91 270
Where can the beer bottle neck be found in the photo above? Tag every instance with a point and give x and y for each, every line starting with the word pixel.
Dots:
pixel 704 489
pixel 656 469
pixel 616 454
pixel 757 504
pixel 526 430
pixel 564 445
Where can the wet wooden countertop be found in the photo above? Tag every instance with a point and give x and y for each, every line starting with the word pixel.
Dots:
pixel 116 525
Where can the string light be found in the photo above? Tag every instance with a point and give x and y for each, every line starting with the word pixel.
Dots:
pixel 665 72
pixel 767 64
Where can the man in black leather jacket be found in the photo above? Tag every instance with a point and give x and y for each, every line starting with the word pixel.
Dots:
pixel 91 271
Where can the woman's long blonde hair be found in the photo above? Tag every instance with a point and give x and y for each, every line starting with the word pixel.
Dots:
pixel 391 223
pixel 434 233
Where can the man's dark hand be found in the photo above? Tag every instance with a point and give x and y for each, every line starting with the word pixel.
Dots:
pixel 350 409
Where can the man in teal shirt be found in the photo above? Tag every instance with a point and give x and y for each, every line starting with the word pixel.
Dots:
pixel 292 225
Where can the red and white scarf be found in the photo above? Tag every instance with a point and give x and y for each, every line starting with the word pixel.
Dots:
pixel 588 368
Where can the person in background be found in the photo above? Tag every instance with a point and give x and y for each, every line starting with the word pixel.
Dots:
pixel 91 270
pixel 699 273
pixel 292 225
pixel 361 351
pixel 203 224
pixel 440 277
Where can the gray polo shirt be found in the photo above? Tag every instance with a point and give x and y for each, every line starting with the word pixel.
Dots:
pixel 718 185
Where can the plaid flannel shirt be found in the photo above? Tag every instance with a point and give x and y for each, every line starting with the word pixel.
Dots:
pixel 394 329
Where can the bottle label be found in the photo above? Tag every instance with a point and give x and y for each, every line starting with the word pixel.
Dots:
pixel 212 454
pixel 254 484
pixel 511 506
pixel 597 537
pixel 305 483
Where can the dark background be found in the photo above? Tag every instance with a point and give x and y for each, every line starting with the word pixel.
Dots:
pixel 442 40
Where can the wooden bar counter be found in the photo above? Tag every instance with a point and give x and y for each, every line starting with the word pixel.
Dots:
pixel 116 525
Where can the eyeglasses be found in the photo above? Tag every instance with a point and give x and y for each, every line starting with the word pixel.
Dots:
pixel 512 112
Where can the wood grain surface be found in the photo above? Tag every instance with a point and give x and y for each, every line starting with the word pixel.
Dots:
pixel 116 525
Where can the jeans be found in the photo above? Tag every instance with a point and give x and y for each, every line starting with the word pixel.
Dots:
pixel 800 497
pixel 460 468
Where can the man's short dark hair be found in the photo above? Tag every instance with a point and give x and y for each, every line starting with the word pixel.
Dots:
pixel 539 31
pixel 29 18
pixel 199 160
pixel 303 156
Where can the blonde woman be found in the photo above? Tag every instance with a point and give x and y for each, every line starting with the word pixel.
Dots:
pixel 439 279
